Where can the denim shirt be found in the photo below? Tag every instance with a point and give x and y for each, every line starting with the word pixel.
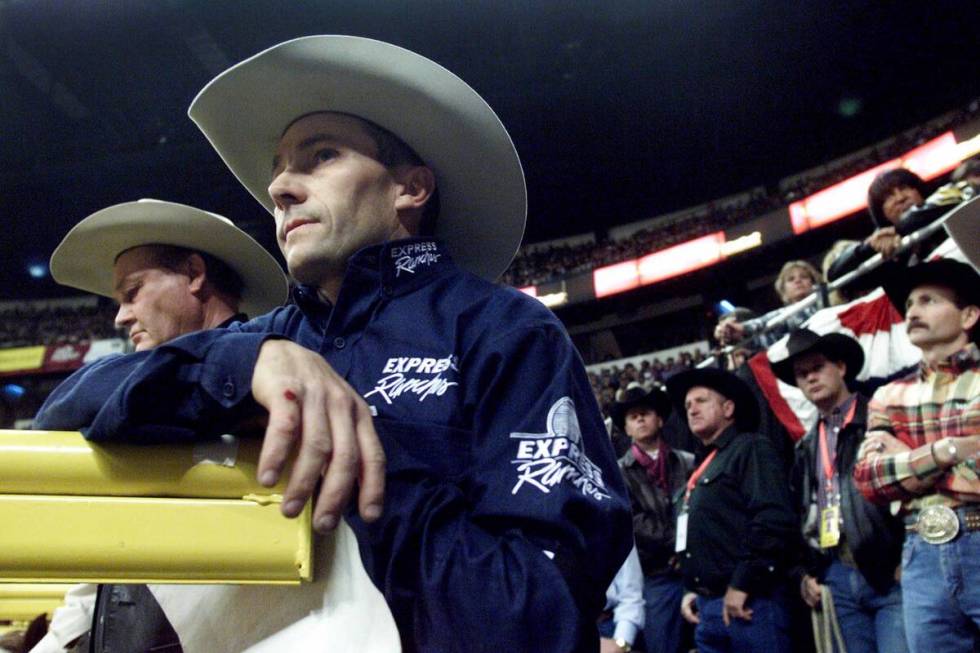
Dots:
pixel 505 516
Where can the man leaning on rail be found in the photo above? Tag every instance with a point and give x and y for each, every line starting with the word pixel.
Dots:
pixel 173 269
pixel 460 404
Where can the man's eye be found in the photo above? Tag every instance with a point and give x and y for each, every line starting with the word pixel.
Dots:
pixel 325 154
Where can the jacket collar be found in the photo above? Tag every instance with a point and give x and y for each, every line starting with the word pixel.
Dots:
pixel 394 268
pixel 964 360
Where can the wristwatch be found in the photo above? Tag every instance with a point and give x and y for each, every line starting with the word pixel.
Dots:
pixel 623 644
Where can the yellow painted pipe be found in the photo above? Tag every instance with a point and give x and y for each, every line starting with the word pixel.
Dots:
pixel 55 462
pixel 71 539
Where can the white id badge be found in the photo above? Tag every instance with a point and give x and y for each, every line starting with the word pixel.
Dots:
pixel 681 542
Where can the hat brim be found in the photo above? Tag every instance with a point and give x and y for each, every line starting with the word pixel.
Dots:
pixel 245 110
pixel 656 399
pixel 945 273
pixel 835 346
pixel 85 257
pixel 746 406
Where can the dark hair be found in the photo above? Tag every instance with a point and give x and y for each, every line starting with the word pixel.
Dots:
pixel 884 184
pixel 220 275
pixel 393 151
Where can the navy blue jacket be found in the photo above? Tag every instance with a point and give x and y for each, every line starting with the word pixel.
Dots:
pixel 505 515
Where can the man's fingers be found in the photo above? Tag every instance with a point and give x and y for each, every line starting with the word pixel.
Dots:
pixel 281 432
pixel 372 472
pixel 342 473
pixel 315 449
pixel 724 615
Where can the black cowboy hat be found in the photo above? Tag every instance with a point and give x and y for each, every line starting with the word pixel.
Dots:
pixel 946 273
pixel 727 384
pixel 656 399
pixel 835 346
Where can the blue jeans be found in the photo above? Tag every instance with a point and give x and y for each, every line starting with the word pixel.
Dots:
pixel 662 631
pixel 941 586
pixel 768 632
pixel 870 622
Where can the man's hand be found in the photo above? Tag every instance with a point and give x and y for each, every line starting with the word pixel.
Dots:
pixel 811 591
pixel 313 410
pixel 728 332
pixel 607 645
pixel 689 609
pixel 885 241
pixel 881 443
pixel 734 606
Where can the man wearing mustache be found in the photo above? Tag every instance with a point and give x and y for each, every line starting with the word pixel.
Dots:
pixel 922 448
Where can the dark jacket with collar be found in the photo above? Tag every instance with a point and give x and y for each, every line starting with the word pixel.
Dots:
pixel 740 519
pixel 654 514
pixel 505 515
pixel 873 535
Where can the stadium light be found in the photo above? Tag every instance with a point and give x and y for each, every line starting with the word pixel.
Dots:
pixel 929 160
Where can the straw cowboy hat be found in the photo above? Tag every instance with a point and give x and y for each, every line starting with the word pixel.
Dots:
pixel 245 110
pixel 84 259
pixel 835 346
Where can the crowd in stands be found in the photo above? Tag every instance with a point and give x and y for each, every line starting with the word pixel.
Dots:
pixel 25 324
pixel 543 264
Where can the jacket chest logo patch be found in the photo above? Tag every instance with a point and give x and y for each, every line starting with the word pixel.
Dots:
pixel 419 377
pixel 544 460
pixel 409 257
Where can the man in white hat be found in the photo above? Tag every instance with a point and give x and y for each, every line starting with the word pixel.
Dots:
pixel 461 402
pixel 173 269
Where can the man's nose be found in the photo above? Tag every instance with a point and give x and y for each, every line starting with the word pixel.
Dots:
pixel 124 316
pixel 286 190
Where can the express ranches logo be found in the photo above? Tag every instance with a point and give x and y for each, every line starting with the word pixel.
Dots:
pixel 417 376
pixel 409 257
pixel 544 460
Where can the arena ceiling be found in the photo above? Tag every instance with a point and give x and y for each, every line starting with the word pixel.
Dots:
pixel 620 109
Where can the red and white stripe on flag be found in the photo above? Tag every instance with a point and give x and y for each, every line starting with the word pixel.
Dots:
pixel 873 322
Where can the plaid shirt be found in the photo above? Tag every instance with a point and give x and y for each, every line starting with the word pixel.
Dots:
pixel 935 402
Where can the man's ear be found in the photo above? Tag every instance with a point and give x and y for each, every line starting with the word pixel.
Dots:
pixel 728 409
pixel 196 272
pixel 417 185
pixel 969 316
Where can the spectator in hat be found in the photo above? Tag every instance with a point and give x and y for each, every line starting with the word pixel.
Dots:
pixel 853 547
pixel 655 475
pixel 173 269
pixel 735 521
pixel 922 448
pixel 449 419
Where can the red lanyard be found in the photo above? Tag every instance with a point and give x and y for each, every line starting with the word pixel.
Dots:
pixel 691 482
pixel 828 467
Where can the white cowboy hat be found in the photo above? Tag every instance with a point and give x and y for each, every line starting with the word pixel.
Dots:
pixel 85 257
pixel 245 110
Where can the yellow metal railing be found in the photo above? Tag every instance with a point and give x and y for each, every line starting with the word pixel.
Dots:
pixel 21 602
pixel 74 511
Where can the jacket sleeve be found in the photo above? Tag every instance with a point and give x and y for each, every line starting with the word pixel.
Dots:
pixel 193 387
pixel 507 537
pixel 771 524
pixel 879 477
pixel 654 532
pixel 849 260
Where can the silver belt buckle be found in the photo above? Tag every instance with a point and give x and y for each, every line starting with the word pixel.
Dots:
pixel 937 524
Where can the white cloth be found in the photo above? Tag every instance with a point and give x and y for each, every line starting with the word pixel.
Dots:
pixel 69 621
pixel 341 611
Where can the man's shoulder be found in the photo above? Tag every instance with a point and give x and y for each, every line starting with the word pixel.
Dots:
pixel 896 390
pixel 504 307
